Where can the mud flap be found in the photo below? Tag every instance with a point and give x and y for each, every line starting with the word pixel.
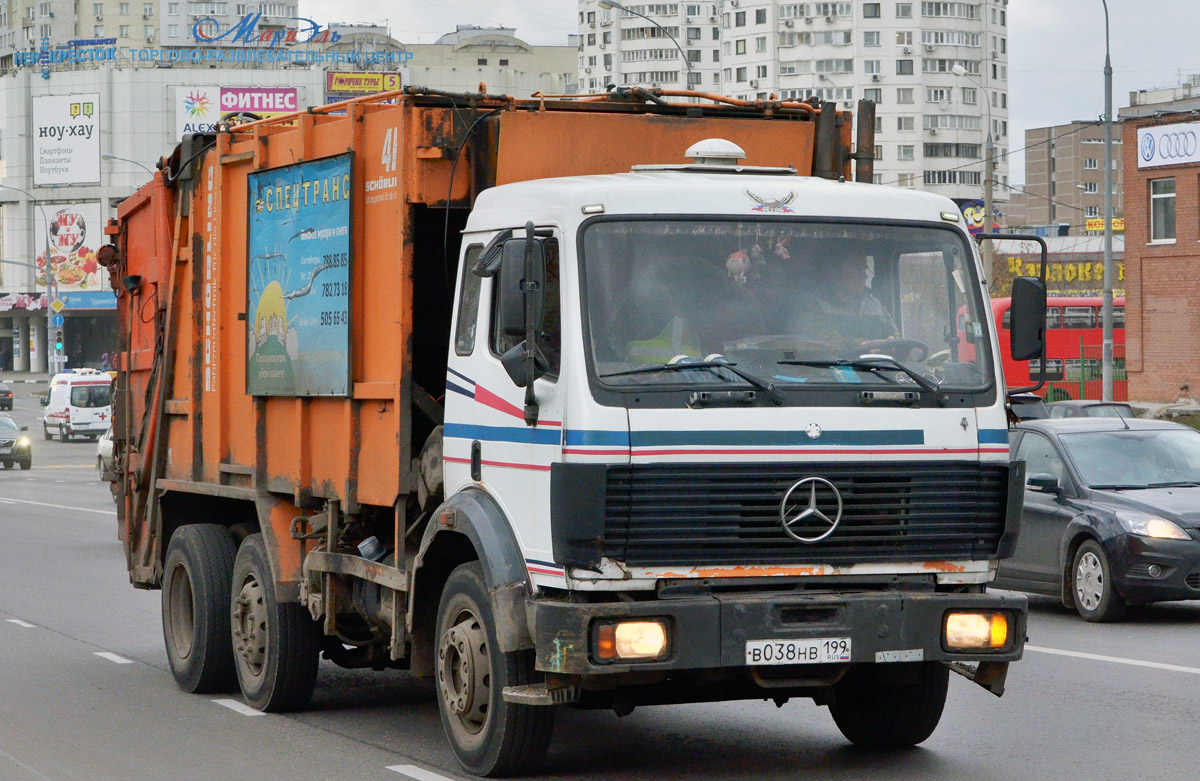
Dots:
pixel 989 675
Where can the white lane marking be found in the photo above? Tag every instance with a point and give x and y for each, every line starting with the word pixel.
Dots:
pixel 239 707
pixel 1115 659
pixel 113 657
pixel 19 622
pixel 64 507
pixel 418 773
pixel 7 501
pixel 22 764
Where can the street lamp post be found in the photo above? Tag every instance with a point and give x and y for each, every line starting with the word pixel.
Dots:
pixel 51 283
pixel 107 156
pixel 989 169
pixel 607 4
pixel 1106 310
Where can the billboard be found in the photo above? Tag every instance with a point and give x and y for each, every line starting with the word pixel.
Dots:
pixel 66 139
pixel 73 233
pixel 1174 144
pixel 350 84
pixel 197 109
pixel 298 285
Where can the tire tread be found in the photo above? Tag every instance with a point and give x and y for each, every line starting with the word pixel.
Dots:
pixel 211 551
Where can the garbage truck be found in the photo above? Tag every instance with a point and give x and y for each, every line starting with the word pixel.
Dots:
pixel 598 401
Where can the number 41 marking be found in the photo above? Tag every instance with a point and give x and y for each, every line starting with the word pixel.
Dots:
pixel 391 142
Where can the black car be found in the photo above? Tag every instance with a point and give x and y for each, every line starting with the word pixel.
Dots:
pixel 1112 513
pixel 1027 406
pixel 6 397
pixel 15 447
pixel 1090 408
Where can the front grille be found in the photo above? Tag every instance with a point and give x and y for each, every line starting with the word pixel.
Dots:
pixel 714 514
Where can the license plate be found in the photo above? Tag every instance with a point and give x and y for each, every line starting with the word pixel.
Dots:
pixel 817 651
pixel 5 450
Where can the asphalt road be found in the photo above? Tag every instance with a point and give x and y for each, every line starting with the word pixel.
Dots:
pixel 85 691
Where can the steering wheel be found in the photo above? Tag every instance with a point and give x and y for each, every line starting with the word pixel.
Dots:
pixel 900 349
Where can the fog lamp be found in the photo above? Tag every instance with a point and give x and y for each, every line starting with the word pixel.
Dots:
pixel 976 631
pixel 632 640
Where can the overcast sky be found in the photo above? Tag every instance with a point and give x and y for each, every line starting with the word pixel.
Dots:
pixel 1056 47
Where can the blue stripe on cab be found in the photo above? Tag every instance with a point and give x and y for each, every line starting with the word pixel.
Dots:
pixel 523 435
pixel 459 389
pixel 597 437
pixel 993 436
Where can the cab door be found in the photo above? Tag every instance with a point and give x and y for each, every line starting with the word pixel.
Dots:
pixel 488 442
pixel 1044 518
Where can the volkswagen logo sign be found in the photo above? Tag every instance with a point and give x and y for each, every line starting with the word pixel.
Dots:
pixel 806 509
pixel 1148 147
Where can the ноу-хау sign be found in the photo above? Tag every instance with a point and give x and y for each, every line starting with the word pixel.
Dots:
pixel 66 139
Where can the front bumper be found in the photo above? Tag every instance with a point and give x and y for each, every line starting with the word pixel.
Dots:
pixel 711 631
pixel 1179 561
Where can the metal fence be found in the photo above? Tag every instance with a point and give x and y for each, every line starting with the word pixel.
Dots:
pixel 1079 377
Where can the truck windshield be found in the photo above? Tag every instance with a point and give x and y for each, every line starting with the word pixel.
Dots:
pixel 794 303
pixel 91 396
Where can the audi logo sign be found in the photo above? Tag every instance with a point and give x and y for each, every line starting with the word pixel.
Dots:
pixel 1168 145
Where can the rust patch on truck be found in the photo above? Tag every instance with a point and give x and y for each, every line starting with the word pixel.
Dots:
pixel 943 566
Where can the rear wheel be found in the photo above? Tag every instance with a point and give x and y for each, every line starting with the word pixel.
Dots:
pixel 490 737
pixel 276 644
pixel 195 607
pixel 890 705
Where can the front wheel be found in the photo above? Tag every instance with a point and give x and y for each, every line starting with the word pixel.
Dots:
pixel 62 434
pixel 27 463
pixel 276 644
pixel 1092 585
pixel 490 737
pixel 46 432
pixel 8 464
pixel 890 705
pixel 195 607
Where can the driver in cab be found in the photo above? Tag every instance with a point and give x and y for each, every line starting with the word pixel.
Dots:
pixel 840 307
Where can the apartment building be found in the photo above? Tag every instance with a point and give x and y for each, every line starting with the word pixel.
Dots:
pixel 932 125
pixel 1064 178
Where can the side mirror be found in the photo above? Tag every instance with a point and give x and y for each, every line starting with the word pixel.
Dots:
pixel 43 400
pixel 1043 483
pixel 1028 318
pixel 24 428
pixel 516 285
pixel 514 364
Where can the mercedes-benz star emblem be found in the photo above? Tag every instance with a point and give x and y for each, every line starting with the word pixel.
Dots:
pixel 800 511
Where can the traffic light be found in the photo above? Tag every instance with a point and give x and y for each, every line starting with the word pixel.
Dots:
pixel 58 340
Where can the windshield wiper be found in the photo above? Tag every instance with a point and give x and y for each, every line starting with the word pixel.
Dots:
pixel 871 363
pixel 1175 484
pixel 1118 487
pixel 773 393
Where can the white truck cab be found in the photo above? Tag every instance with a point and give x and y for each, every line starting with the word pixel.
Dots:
pixel 751 435
pixel 79 404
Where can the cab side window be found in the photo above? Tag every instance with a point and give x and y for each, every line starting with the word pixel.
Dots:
pixel 549 339
pixel 468 303
pixel 1039 456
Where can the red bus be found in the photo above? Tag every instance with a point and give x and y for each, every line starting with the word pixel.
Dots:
pixel 1074 343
